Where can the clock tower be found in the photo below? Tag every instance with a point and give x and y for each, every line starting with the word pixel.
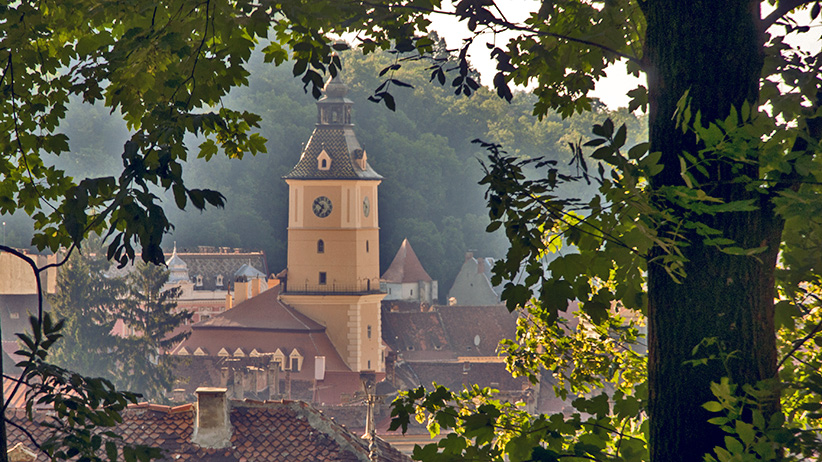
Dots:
pixel 333 235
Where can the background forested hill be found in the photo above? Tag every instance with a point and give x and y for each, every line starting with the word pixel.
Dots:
pixel 430 193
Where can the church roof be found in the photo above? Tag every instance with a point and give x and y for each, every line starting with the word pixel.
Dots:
pixel 406 267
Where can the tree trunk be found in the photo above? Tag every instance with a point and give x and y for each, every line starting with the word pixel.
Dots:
pixel 713 50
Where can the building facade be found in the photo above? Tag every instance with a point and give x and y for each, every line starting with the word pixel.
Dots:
pixel 333 273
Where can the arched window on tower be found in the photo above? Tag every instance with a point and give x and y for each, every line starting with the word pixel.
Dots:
pixel 320 246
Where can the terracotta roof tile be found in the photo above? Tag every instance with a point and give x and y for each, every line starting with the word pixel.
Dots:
pixel 262 431
pixel 406 267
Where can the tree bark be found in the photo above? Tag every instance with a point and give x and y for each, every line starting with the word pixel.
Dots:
pixel 713 50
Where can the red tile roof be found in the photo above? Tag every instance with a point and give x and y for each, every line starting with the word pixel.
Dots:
pixel 406 267
pixel 262 431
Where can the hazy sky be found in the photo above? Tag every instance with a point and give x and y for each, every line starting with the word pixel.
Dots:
pixel 610 90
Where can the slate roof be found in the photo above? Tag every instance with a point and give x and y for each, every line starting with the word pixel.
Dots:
pixel 338 140
pixel 405 267
pixel 14 313
pixel 262 431
pixel 210 265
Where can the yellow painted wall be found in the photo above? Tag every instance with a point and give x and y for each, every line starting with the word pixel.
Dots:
pixel 351 239
pixel 16 276
pixel 346 318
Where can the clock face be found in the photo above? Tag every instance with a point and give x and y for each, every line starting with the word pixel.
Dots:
pixel 366 206
pixel 322 206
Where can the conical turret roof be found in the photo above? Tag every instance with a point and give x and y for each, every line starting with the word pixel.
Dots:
pixel 406 267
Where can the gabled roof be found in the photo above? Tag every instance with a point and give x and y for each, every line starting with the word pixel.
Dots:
pixel 264 312
pixel 405 267
pixel 262 431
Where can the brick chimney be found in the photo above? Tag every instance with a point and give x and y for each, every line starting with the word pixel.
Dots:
pixel 212 424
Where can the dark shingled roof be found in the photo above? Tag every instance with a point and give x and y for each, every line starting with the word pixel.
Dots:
pixel 338 140
pixel 342 146
pixel 210 265
pixel 405 267
pixel 262 431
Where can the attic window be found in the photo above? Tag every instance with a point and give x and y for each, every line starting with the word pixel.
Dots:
pixel 320 246
pixel 296 360
pixel 279 358
pixel 323 161
pixel 219 280
pixel 198 281
pixel 15 315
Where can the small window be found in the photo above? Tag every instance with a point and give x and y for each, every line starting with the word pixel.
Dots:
pixel 219 280
pixel 320 246
pixel 276 365
pixel 369 364
pixel 369 331
pixel 412 292
pixel 323 163
pixel 198 281
pixel 366 246
pixel 322 278
pixel 295 364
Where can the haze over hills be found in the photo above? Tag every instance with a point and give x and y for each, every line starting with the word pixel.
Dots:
pixel 430 193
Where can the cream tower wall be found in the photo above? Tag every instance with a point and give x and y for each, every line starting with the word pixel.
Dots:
pixel 350 255
pixel 348 303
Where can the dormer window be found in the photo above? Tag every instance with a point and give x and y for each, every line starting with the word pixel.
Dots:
pixel 323 161
pixel 320 246
pixel 198 281
pixel 279 358
pixel 219 280
pixel 296 360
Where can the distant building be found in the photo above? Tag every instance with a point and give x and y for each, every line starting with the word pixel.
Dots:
pixel 454 346
pixel 219 429
pixel 472 286
pixel 19 299
pixel 406 279
pixel 207 278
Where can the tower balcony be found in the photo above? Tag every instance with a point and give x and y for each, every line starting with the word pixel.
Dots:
pixel 365 287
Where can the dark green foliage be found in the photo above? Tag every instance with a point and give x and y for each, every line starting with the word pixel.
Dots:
pixel 90 303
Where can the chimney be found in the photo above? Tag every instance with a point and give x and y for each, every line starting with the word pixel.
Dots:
pixel 469 255
pixel 228 304
pixel 273 380
pixel 255 287
pixel 240 292
pixel 212 424
pixel 481 265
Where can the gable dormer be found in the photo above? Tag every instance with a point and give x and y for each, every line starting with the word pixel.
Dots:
pixel 324 161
